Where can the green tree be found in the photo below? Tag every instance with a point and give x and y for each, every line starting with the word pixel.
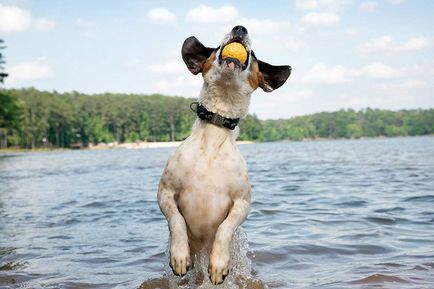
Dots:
pixel 251 128
pixel 393 130
pixel 10 117
pixel 353 130
pixel 3 74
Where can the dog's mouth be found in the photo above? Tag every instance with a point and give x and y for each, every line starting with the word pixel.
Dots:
pixel 231 62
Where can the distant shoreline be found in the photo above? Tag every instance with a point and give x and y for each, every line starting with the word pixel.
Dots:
pixel 126 145
pixel 171 144
pixel 145 145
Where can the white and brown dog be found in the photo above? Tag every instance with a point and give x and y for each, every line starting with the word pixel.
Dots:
pixel 204 191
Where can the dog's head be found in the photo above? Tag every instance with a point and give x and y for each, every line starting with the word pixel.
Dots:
pixel 230 71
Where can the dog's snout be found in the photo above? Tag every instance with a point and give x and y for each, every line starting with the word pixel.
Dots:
pixel 239 30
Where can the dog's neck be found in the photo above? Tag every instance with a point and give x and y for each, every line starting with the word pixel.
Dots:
pixel 226 100
pixel 213 136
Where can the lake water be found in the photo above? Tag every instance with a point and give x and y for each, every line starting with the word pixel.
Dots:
pixel 325 214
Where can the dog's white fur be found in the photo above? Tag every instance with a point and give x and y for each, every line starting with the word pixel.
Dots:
pixel 204 191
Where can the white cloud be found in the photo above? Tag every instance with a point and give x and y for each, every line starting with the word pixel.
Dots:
pixel 306 4
pixel 168 67
pixel 207 14
pixel 322 74
pixel 43 24
pixel 14 19
pixel 412 83
pixel 31 70
pixel 395 2
pixel 368 6
pixel 319 73
pixel 320 19
pixel 415 43
pixel 328 5
pixel 161 16
pixel 378 70
pixel 387 45
pixel 383 44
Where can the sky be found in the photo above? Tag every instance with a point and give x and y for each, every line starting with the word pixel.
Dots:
pixel 344 53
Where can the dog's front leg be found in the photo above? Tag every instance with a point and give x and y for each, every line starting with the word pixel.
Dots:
pixel 220 253
pixel 180 260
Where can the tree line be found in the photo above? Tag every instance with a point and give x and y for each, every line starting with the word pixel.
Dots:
pixel 30 118
pixel 349 123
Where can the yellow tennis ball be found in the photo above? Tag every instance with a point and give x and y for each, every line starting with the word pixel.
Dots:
pixel 235 50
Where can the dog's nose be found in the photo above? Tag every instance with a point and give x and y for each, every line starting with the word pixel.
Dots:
pixel 239 30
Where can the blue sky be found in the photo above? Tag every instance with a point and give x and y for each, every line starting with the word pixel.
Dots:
pixel 344 53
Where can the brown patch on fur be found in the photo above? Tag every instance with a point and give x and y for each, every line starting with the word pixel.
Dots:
pixel 163 184
pixel 255 76
pixel 202 142
pixel 208 63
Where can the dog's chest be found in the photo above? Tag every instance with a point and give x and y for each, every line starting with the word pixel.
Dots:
pixel 198 166
pixel 206 179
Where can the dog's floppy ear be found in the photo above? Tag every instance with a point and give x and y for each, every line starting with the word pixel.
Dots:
pixel 195 54
pixel 273 76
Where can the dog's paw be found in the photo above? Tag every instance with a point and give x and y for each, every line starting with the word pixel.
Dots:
pixel 218 267
pixel 180 260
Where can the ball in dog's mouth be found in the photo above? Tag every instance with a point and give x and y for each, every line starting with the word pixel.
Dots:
pixel 235 50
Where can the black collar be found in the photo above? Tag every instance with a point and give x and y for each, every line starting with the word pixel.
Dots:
pixel 213 117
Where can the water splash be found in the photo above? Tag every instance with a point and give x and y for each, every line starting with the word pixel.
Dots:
pixel 240 275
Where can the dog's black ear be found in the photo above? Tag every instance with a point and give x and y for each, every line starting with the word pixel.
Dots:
pixel 195 54
pixel 274 76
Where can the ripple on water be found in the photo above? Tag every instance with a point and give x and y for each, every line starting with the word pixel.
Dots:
pixel 382 220
pixel 379 279
pixel 423 198
pixel 99 204
pixel 97 260
pixel 352 204
pixel 60 237
pixel 316 250
pixel 367 249
pixel 420 268
pixel 390 210
pixel 270 256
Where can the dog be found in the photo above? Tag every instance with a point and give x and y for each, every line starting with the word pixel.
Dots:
pixel 204 191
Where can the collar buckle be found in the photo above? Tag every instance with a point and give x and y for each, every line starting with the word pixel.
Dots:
pixel 217 119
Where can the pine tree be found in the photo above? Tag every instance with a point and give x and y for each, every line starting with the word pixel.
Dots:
pixel 3 75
